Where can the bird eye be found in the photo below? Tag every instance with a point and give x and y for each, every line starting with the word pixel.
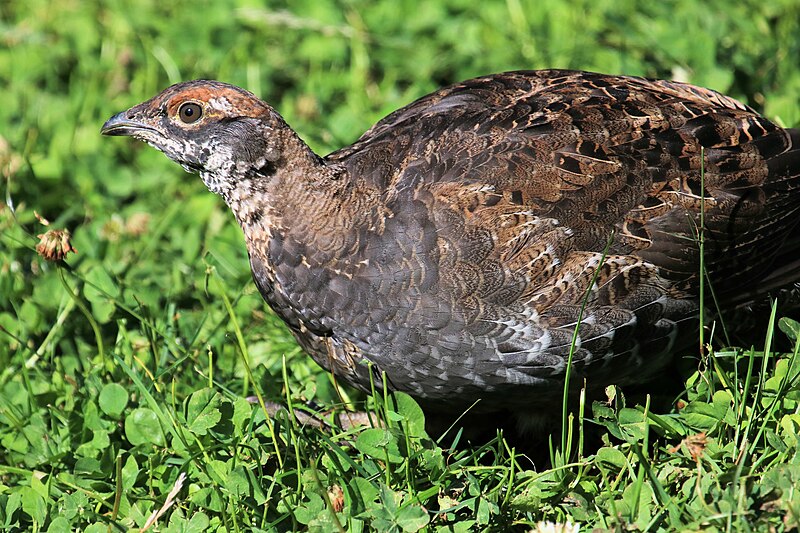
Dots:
pixel 190 112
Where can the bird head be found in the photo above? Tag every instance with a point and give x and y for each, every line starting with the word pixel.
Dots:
pixel 222 132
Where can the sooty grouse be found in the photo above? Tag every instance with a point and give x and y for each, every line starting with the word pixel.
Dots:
pixel 453 244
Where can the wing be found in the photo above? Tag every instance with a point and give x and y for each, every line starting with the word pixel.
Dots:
pixel 601 153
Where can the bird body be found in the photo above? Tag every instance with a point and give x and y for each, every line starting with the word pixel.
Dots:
pixel 458 244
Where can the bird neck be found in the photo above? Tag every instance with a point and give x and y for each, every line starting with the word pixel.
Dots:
pixel 261 190
pixel 300 195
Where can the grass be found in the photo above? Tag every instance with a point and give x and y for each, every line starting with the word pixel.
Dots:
pixel 130 364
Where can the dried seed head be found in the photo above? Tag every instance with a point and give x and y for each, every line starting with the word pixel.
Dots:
pixel 336 494
pixel 10 161
pixel 55 244
pixel 137 224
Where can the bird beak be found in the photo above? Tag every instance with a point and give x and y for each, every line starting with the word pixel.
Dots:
pixel 120 124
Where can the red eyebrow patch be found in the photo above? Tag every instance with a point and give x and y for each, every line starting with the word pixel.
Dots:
pixel 193 94
pixel 223 99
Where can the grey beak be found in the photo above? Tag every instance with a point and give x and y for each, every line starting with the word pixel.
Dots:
pixel 120 124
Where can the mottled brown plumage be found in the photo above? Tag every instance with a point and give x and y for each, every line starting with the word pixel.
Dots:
pixel 453 244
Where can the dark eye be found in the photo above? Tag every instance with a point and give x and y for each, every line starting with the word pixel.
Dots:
pixel 190 112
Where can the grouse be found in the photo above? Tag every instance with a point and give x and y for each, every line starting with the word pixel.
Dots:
pixel 481 241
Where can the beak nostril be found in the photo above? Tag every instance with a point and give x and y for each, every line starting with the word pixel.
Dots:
pixel 123 123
